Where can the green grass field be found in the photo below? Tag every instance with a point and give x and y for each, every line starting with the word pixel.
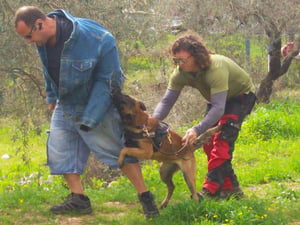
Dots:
pixel 267 162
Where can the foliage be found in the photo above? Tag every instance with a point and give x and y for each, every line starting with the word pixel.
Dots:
pixel 142 30
pixel 266 156
pixel 232 45
pixel 274 120
pixel 137 63
pixel 224 212
pixel 267 167
pixel 292 78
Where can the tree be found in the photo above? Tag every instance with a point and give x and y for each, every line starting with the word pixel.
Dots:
pixel 145 21
pixel 22 86
pixel 275 25
pixel 273 18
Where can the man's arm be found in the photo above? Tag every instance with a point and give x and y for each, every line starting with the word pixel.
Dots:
pixel 164 106
pixel 218 102
pixel 162 109
pixel 217 110
pixel 100 100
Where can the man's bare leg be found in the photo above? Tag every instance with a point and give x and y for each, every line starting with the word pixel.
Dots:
pixel 134 173
pixel 74 182
pixel 77 201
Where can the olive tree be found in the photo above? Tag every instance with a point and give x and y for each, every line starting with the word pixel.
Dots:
pixel 21 89
pixel 271 18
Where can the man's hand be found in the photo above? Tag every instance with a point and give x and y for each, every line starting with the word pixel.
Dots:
pixel 152 124
pixel 51 106
pixel 190 137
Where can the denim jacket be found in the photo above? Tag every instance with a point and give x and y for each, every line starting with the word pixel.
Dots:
pixel 89 63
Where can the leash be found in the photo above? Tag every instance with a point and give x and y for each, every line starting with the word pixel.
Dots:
pixel 175 153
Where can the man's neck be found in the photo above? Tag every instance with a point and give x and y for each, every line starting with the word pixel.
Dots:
pixel 51 22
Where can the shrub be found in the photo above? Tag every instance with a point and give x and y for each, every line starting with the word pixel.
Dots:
pixel 277 119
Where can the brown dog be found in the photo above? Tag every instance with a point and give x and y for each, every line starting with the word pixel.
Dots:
pixel 140 143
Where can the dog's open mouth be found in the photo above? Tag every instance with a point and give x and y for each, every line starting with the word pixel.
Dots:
pixel 132 111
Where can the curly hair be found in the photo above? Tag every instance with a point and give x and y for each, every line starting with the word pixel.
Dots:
pixel 193 43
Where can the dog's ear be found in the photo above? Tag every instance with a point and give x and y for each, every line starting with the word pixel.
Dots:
pixel 142 106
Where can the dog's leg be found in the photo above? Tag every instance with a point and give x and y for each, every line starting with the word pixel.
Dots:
pixel 188 168
pixel 167 171
pixel 122 157
pixel 144 152
pixel 134 152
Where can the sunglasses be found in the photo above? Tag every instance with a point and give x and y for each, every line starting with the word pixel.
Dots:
pixel 29 35
pixel 182 60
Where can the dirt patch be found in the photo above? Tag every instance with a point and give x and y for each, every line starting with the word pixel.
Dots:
pixel 71 221
pixel 80 220
pixel 118 205
pixel 99 170
pixel 279 191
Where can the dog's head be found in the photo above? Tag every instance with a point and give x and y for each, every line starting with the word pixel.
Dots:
pixel 132 111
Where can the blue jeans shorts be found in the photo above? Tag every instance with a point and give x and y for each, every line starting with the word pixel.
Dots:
pixel 68 147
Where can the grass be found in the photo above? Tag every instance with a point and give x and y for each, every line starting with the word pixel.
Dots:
pixel 267 162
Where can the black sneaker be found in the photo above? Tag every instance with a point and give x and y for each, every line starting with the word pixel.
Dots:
pixel 236 193
pixel 149 206
pixel 75 203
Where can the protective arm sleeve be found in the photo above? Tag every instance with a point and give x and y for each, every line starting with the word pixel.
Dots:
pixel 164 106
pixel 216 111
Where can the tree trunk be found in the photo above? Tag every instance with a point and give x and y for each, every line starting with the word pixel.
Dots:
pixel 276 69
pixel 265 89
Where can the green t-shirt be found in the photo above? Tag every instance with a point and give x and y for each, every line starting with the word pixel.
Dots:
pixel 223 75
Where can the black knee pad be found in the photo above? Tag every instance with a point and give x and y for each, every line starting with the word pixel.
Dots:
pixel 230 131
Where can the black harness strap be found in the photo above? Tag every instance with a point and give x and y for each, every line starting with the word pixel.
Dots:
pixel 156 138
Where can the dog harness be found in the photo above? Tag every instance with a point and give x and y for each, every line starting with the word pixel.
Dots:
pixel 156 137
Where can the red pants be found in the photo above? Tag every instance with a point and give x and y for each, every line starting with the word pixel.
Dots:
pixel 220 174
